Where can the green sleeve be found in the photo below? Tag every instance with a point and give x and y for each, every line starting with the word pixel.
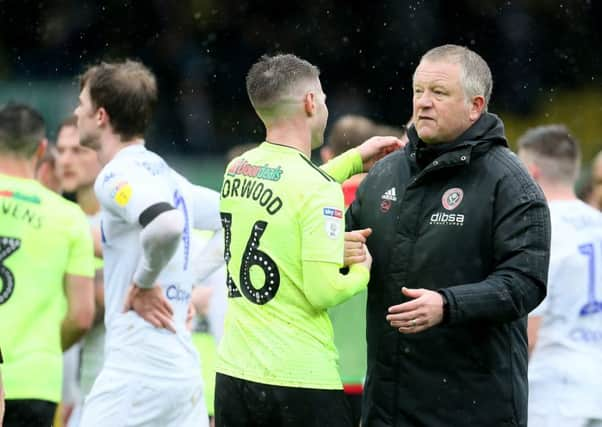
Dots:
pixel 344 166
pixel 324 286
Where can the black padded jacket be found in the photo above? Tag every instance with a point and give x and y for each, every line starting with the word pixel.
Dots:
pixel 469 222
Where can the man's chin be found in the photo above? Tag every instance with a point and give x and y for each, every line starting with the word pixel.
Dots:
pixel 93 144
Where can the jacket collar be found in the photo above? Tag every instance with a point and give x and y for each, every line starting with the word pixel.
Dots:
pixel 488 129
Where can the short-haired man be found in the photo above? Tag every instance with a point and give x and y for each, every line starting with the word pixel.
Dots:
pixel 46 171
pixel 461 248
pixel 283 220
pixel 46 254
pixel 565 373
pixel 151 374
pixel 77 168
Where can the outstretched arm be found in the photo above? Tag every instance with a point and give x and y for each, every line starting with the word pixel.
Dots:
pixel 361 158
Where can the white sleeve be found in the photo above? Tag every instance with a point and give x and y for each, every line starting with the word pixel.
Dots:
pixel 160 239
pixel 557 263
pixel 207 257
pixel 205 207
pixel 128 193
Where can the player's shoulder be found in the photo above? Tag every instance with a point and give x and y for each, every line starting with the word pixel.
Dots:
pixel 57 204
pixel 575 214
pixel 128 169
pixel 61 213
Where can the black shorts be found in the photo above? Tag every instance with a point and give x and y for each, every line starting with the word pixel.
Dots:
pixel 241 403
pixel 29 412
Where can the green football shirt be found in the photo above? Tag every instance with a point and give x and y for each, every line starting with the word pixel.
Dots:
pixel 278 210
pixel 42 238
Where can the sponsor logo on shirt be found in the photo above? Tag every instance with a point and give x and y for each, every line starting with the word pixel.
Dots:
pixel 452 198
pixel 390 194
pixel 444 218
pixel 333 212
pixel 122 193
pixel 175 293
pixel 387 199
pixel 333 222
pixel 244 168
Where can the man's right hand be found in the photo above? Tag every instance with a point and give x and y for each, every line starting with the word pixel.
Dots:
pixel 151 305
pixel 355 248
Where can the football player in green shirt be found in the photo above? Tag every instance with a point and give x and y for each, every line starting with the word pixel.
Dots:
pixel 46 269
pixel 284 237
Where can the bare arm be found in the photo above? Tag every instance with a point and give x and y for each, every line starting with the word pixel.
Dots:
pixel 99 296
pixel 97 239
pixel 79 291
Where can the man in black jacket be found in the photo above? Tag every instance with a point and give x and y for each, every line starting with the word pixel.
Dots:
pixel 460 242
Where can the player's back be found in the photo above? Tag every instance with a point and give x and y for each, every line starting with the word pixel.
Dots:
pixel 569 344
pixel 42 238
pixel 278 210
pixel 131 182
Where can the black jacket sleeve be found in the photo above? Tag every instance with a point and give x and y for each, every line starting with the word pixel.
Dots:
pixel 521 254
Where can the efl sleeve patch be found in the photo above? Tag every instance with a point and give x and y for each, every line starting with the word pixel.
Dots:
pixel 122 193
pixel 323 224
pixel 333 221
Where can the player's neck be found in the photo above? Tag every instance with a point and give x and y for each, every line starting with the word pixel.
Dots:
pixel 112 145
pixel 15 166
pixel 86 199
pixel 558 192
pixel 292 135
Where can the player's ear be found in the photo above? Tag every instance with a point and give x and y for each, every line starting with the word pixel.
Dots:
pixel 309 103
pixel 41 150
pixel 102 117
pixel 476 107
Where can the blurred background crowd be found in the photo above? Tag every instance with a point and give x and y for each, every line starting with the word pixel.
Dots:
pixel 542 54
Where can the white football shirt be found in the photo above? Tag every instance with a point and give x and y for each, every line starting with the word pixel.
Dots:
pixel 130 183
pixel 565 370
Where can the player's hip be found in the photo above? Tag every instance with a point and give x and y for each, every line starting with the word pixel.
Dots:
pixel 127 399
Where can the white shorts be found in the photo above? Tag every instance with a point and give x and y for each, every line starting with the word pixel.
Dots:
pixel 120 399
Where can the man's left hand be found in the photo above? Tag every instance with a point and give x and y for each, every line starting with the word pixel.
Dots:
pixel 425 310
pixel 376 148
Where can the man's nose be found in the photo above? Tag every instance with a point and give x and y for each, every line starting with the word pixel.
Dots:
pixel 424 100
